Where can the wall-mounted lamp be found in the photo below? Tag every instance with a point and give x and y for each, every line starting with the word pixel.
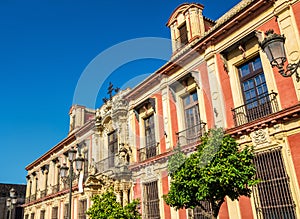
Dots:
pixel 273 46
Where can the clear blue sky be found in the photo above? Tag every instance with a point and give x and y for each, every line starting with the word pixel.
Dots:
pixel 45 45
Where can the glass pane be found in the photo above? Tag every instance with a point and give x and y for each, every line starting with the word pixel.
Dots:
pixel 194 96
pixel 256 64
pixel 186 100
pixel 244 70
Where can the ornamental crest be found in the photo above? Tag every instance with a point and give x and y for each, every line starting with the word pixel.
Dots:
pixel 260 136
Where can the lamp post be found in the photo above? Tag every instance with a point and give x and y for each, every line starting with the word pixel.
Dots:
pixel 273 46
pixel 64 171
pixel 11 201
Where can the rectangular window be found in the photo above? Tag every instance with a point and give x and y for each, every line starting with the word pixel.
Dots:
pixel 66 211
pixel 26 216
pixel 86 164
pixel 150 141
pixel 82 209
pixel 54 213
pixel 151 201
pixel 198 213
pixel 42 214
pixel 254 89
pixel 192 132
pixel 273 198
pixel 112 148
pixel 32 216
pixel 183 35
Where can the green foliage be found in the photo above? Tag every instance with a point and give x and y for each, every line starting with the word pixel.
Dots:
pixel 217 169
pixel 105 206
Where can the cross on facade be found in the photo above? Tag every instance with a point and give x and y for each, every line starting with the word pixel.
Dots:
pixel 110 90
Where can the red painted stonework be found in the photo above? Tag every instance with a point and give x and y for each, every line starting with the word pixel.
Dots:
pixel 245 207
pixel 207 97
pixel 137 191
pixel 296 10
pixel 223 214
pixel 226 91
pixel 165 188
pixel 160 116
pixel 182 213
pixel 294 141
pixel 285 86
pixel 173 115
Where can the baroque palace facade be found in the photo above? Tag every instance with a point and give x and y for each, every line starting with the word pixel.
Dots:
pixel 217 76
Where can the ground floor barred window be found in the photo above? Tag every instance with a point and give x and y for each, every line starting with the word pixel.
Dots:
pixel 151 201
pixel 273 197
pixel 54 213
pixel 82 209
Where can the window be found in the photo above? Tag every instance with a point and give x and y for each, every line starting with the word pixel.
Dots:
pixel 197 212
pixel 82 209
pixel 192 132
pixel 85 170
pixel 273 198
pixel 26 216
pixel 66 211
pixel 183 37
pixel 150 141
pixel 112 148
pixel 254 88
pixel 42 214
pixel 151 201
pixel 54 213
pixel 32 216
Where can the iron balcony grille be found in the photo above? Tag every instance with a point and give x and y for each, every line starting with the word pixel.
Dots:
pixel 272 196
pixel 151 201
pixel 255 109
pixel 197 212
pixel 54 213
pixel 147 152
pixel 82 209
pixel 191 135
pixel 105 164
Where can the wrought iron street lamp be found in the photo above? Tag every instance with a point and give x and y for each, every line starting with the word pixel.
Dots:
pixel 11 201
pixel 273 46
pixel 64 173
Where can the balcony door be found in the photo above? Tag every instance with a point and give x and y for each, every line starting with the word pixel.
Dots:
pixel 192 117
pixel 254 88
pixel 112 148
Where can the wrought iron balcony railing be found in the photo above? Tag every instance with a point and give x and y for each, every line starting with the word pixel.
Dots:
pixel 149 151
pixel 191 134
pixel 106 164
pixel 255 109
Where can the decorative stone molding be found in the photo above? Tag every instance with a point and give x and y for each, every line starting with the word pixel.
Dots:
pixel 260 137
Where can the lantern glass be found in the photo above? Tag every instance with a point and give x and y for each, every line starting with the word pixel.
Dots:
pixel 273 46
pixel 79 162
pixel 277 56
pixel 64 170
pixel 72 154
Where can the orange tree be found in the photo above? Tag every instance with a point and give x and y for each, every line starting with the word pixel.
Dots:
pixel 216 170
pixel 105 206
